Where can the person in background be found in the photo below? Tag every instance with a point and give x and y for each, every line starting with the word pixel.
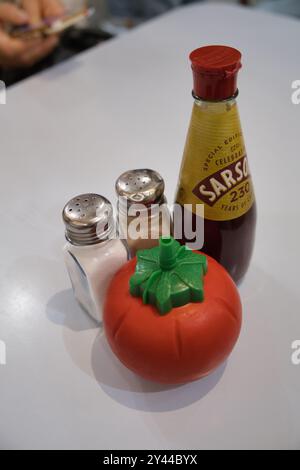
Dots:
pixel 25 53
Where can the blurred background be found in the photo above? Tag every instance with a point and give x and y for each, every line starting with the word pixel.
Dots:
pixel 120 14
pixel 114 17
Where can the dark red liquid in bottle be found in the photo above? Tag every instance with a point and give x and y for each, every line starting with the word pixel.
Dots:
pixel 229 242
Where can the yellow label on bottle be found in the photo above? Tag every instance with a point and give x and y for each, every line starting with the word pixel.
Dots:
pixel 214 170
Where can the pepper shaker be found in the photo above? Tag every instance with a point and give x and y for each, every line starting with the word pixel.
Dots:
pixel 143 213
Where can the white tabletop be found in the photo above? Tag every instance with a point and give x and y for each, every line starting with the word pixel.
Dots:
pixel 74 129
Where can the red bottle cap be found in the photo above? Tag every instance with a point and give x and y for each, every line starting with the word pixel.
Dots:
pixel 215 71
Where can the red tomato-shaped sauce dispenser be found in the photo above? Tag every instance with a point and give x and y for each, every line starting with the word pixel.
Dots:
pixel 172 315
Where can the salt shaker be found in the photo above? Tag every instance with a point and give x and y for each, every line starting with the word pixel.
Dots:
pixel 92 252
pixel 143 213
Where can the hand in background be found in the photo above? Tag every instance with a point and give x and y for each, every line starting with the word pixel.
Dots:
pixel 25 53
pixel 39 9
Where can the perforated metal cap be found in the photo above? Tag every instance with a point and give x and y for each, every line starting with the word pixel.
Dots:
pixel 140 186
pixel 88 219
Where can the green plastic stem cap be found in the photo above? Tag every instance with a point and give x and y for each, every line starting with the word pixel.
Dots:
pixel 169 275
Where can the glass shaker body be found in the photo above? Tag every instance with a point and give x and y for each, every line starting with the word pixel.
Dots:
pixel 91 269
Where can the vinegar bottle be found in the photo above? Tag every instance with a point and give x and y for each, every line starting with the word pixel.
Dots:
pixel 214 169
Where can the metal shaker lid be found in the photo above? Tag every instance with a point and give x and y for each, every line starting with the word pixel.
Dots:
pixel 142 186
pixel 88 219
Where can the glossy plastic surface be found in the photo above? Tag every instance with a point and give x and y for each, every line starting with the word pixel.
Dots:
pixel 184 345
